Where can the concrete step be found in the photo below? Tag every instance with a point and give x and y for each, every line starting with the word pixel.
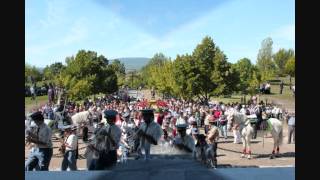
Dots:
pixel 166 174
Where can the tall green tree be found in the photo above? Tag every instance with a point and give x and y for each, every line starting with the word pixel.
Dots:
pixel 164 79
pixel 120 70
pixel 265 63
pixel 223 76
pixel 245 69
pixel 148 71
pixel 281 58
pixel 86 68
pixel 185 76
pixel 254 83
pixel 52 71
pixel 32 71
pixel 204 55
pixel 290 67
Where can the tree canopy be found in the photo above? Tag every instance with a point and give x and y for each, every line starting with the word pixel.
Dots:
pixel 265 63
pixel 281 58
pixel 88 70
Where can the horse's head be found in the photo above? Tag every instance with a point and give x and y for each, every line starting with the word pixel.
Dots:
pixel 230 118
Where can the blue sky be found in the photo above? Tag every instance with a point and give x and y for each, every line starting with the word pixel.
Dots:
pixel 56 29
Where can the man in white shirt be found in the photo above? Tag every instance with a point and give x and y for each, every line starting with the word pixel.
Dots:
pixel 183 141
pixel 70 145
pixel 106 142
pixel 42 153
pixel 149 133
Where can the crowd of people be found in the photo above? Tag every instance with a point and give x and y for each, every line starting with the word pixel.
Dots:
pixel 122 127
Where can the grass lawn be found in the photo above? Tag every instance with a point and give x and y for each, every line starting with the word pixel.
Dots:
pixel 29 104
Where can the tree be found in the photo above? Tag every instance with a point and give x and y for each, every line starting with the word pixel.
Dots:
pixel 185 75
pixel 264 61
pixel 120 71
pixel 32 72
pixel 245 70
pixel 86 68
pixel 52 71
pixel 280 59
pixel 224 78
pixel 204 74
pixel 148 71
pixel 254 83
pixel 164 79
pixel 290 67
pixel 203 56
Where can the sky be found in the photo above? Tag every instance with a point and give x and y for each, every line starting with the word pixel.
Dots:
pixel 56 29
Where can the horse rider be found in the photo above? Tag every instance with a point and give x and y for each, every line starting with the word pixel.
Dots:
pixel 106 143
pixel 149 133
pixel 42 153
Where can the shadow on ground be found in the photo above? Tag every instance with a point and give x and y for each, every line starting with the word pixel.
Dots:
pixel 281 155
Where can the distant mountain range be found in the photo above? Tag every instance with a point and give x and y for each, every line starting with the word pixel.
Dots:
pixel 133 62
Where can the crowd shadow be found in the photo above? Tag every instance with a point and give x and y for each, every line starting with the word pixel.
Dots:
pixel 281 155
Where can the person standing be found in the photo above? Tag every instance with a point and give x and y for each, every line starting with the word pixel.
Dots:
pixel 212 139
pixel 183 141
pixel 42 153
pixel 208 117
pixel 291 128
pixel 223 125
pixel 256 127
pixel 149 133
pixel 70 145
pixel 106 143
pixel 51 94
pixel 281 87
pixel 33 92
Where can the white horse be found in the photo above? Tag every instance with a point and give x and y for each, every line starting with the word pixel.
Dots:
pixel 81 117
pixel 275 126
pixel 246 130
pixel 240 120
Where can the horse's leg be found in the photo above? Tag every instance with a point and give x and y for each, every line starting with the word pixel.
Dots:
pixel 274 147
pixel 244 147
pixel 278 149
pixel 248 145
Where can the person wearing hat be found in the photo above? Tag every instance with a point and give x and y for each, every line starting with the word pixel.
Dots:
pixel 149 133
pixel 183 141
pixel 106 143
pixel 41 138
pixel 126 121
pixel 212 138
pixel 70 144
